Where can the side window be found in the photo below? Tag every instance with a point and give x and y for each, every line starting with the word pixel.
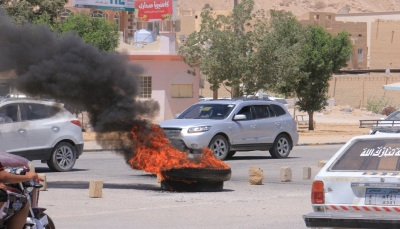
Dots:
pixel 9 113
pixel 262 111
pixel 247 111
pixel 36 111
pixel 278 110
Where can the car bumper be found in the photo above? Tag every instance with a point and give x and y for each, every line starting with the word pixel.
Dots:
pixel 191 141
pixel 319 219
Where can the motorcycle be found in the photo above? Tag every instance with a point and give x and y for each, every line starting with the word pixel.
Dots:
pixel 20 192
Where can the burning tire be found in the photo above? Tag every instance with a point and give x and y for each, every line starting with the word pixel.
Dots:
pixel 195 179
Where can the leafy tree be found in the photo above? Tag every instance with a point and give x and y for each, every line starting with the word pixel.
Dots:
pixel 97 31
pixel 279 46
pixel 30 10
pixel 324 54
pixel 221 48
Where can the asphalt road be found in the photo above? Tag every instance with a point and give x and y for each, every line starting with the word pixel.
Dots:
pixel 134 199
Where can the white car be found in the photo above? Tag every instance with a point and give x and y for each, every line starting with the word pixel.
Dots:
pixel 359 186
pixel 40 130
pixel 392 120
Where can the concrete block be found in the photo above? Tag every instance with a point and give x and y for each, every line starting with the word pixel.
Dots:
pixel 286 174
pixel 306 173
pixel 256 175
pixel 96 189
pixel 322 163
pixel 43 181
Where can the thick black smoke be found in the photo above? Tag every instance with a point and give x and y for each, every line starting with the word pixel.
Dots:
pixel 78 74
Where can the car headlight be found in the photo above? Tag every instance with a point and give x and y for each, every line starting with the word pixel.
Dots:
pixel 199 129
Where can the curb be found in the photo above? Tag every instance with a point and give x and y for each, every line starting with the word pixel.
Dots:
pixel 324 143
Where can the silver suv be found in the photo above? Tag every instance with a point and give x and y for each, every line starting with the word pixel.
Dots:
pixel 40 130
pixel 227 126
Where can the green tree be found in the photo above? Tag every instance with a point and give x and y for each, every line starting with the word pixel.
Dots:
pixel 30 10
pixel 279 45
pixel 324 54
pixel 221 48
pixel 97 31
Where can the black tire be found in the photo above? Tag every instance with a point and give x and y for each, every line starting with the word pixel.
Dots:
pixel 181 186
pixel 230 154
pixel 281 147
pixel 197 174
pixel 62 158
pixel 220 147
pixel 50 225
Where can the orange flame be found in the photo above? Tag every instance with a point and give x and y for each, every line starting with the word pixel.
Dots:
pixel 154 154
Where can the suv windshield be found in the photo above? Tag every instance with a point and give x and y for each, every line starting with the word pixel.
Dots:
pixel 207 111
pixel 371 154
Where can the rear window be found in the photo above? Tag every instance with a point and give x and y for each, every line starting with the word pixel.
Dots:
pixel 278 110
pixel 370 154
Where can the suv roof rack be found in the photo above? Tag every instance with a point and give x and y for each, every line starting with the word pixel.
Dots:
pixel 380 124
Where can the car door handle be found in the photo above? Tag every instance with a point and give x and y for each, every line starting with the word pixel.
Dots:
pixel 278 123
pixel 21 131
pixel 55 129
pixel 253 126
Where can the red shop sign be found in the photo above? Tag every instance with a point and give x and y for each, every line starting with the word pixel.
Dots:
pixel 152 9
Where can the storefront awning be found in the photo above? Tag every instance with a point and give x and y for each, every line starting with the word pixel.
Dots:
pixel 393 86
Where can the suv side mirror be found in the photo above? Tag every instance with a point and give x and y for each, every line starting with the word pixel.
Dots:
pixel 239 117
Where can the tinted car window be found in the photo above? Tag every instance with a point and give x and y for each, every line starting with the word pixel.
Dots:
pixel 394 116
pixel 9 113
pixel 39 111
pixel 207 111
pixel 248 112
pixel 278 110
pixel 370 154
pixel 263 111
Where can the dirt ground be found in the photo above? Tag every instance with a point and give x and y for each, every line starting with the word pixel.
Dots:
pixel 336 121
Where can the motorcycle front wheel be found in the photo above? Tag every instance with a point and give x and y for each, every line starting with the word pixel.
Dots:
pixel 50 225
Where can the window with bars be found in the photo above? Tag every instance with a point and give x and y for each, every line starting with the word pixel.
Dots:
pixel 117 19
pixel 360 54
pixel 145 86
pixel 98 14
pixel 64 14
pixel 182 90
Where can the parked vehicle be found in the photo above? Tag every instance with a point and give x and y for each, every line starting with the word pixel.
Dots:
pixel 359 187
pixel 23 191
pixel 227 126
pixel 392 119
pixel 40 130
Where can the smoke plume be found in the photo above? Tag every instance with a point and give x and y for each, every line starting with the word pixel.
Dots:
pixel 68 70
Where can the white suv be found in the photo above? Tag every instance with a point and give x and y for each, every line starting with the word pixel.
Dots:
pixel 227 126
pixel 40 130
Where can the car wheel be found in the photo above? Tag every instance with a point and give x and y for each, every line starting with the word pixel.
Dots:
pixel 281 147
pixel 231 153
pixel 63 157
pixel 219 146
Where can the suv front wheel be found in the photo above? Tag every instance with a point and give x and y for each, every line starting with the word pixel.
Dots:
pixel 63 157
pixel 281 147
pixel 219 146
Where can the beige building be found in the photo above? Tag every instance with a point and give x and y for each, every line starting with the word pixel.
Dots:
pixel 357 30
